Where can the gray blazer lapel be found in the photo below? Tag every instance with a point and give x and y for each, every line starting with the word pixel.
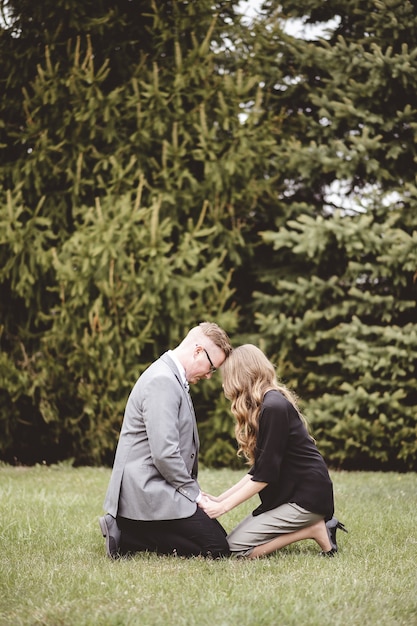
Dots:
pixel 171 364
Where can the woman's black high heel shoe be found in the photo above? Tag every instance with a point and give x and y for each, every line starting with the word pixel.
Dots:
pixel 332 526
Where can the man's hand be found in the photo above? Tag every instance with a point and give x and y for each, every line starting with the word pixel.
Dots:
pixel 210 497
pixel 211 507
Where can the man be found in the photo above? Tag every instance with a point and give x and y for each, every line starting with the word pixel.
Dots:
pixel 153 494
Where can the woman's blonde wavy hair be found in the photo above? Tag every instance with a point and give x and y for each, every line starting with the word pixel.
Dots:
pixel 247 376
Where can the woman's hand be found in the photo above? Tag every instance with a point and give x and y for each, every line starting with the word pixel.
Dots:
pixel 210 497
pixel 213 508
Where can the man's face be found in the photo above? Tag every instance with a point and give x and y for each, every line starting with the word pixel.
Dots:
pixel 204 363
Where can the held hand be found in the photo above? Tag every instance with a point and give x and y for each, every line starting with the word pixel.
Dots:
pixel 212 508
pixel 210 497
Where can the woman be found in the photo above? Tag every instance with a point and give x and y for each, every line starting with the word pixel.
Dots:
pixel 287 469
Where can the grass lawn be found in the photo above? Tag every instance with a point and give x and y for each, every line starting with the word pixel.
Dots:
pixel 53 568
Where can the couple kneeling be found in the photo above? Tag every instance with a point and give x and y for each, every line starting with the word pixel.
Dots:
pixel 154 502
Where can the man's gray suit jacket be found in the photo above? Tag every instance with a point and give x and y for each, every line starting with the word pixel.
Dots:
pixel 155 468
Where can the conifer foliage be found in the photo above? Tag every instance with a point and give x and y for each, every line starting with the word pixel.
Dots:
pixel 339 303
pixel 121 150
pixel 166 162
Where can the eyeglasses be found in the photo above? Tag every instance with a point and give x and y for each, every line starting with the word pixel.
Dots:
pixel 212 368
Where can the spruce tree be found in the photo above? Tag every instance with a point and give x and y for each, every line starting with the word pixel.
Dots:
pixel 338 305
pixel 123 161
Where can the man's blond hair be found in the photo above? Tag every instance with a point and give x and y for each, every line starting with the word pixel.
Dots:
pixel 213 332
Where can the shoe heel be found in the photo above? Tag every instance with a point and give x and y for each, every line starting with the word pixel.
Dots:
pixel 332 526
